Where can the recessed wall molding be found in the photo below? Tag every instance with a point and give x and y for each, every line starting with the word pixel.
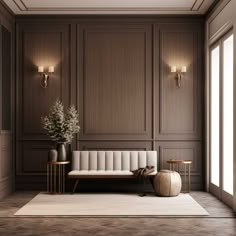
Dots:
pixel 32 158
pixel 178 111
pixel 40 45
pixel 118 145
pixel 115 81
pixel 183 150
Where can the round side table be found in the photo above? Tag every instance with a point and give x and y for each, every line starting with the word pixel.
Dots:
pixel 187 171
pixel 56 176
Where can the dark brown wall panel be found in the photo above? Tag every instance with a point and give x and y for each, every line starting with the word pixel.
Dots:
pixel 40 49
pixel 6 156
pixel 6 79
pixel 118 76
pixel 179 109
pixel 32 157
pixel 115 145
pixel 115 81
pixel 183 151
pixel 43 46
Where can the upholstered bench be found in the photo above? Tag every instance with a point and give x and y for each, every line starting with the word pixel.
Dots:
pixel 110 164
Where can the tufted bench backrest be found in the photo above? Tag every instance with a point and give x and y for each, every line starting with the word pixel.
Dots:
pixel 113 160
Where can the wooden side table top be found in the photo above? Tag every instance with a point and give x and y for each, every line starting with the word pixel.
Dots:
pixel 172 161
pixel 187 162
pixel 58 162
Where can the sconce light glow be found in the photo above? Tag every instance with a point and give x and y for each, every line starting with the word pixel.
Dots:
pixel 173 69
pixel 44 76
pixel 51 69
pixel 183 69
pixel 178 75
pixel 40 69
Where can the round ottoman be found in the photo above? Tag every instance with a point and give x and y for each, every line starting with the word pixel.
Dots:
pixel 167 183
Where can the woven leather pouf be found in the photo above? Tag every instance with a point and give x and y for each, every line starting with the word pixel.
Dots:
pixel 167 183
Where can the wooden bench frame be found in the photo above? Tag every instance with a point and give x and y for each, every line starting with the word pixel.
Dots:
pixel 78 177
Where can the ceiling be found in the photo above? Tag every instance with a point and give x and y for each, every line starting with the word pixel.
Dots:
pixel 22 7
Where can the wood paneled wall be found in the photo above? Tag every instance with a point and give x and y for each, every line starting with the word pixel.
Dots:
pixel 6 163
pixel 7 89
pixel 178 113
pixel 118 75
pixel 38 46
pixel 115 82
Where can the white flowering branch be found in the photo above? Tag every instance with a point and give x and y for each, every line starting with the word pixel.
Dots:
pixel 61 126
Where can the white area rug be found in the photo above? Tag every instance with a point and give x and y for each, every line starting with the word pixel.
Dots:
pixel 94 204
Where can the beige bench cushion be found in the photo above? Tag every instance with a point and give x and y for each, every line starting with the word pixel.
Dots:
pixel 121 163
pixel 113 160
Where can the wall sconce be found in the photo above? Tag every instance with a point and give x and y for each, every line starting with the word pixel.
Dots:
pixel 45 77
pixel 178 75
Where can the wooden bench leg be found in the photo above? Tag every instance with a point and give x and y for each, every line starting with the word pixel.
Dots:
pixel 75 185
pixel 151 181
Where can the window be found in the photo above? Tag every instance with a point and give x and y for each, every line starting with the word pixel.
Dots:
pixel 228 115
pixel 215 121
pixel 222 118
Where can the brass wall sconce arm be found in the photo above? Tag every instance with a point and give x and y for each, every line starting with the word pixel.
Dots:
pixel 178 75
pixel 44 76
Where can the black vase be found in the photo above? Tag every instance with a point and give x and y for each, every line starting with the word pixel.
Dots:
pixel 61 149
pixel 52 155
